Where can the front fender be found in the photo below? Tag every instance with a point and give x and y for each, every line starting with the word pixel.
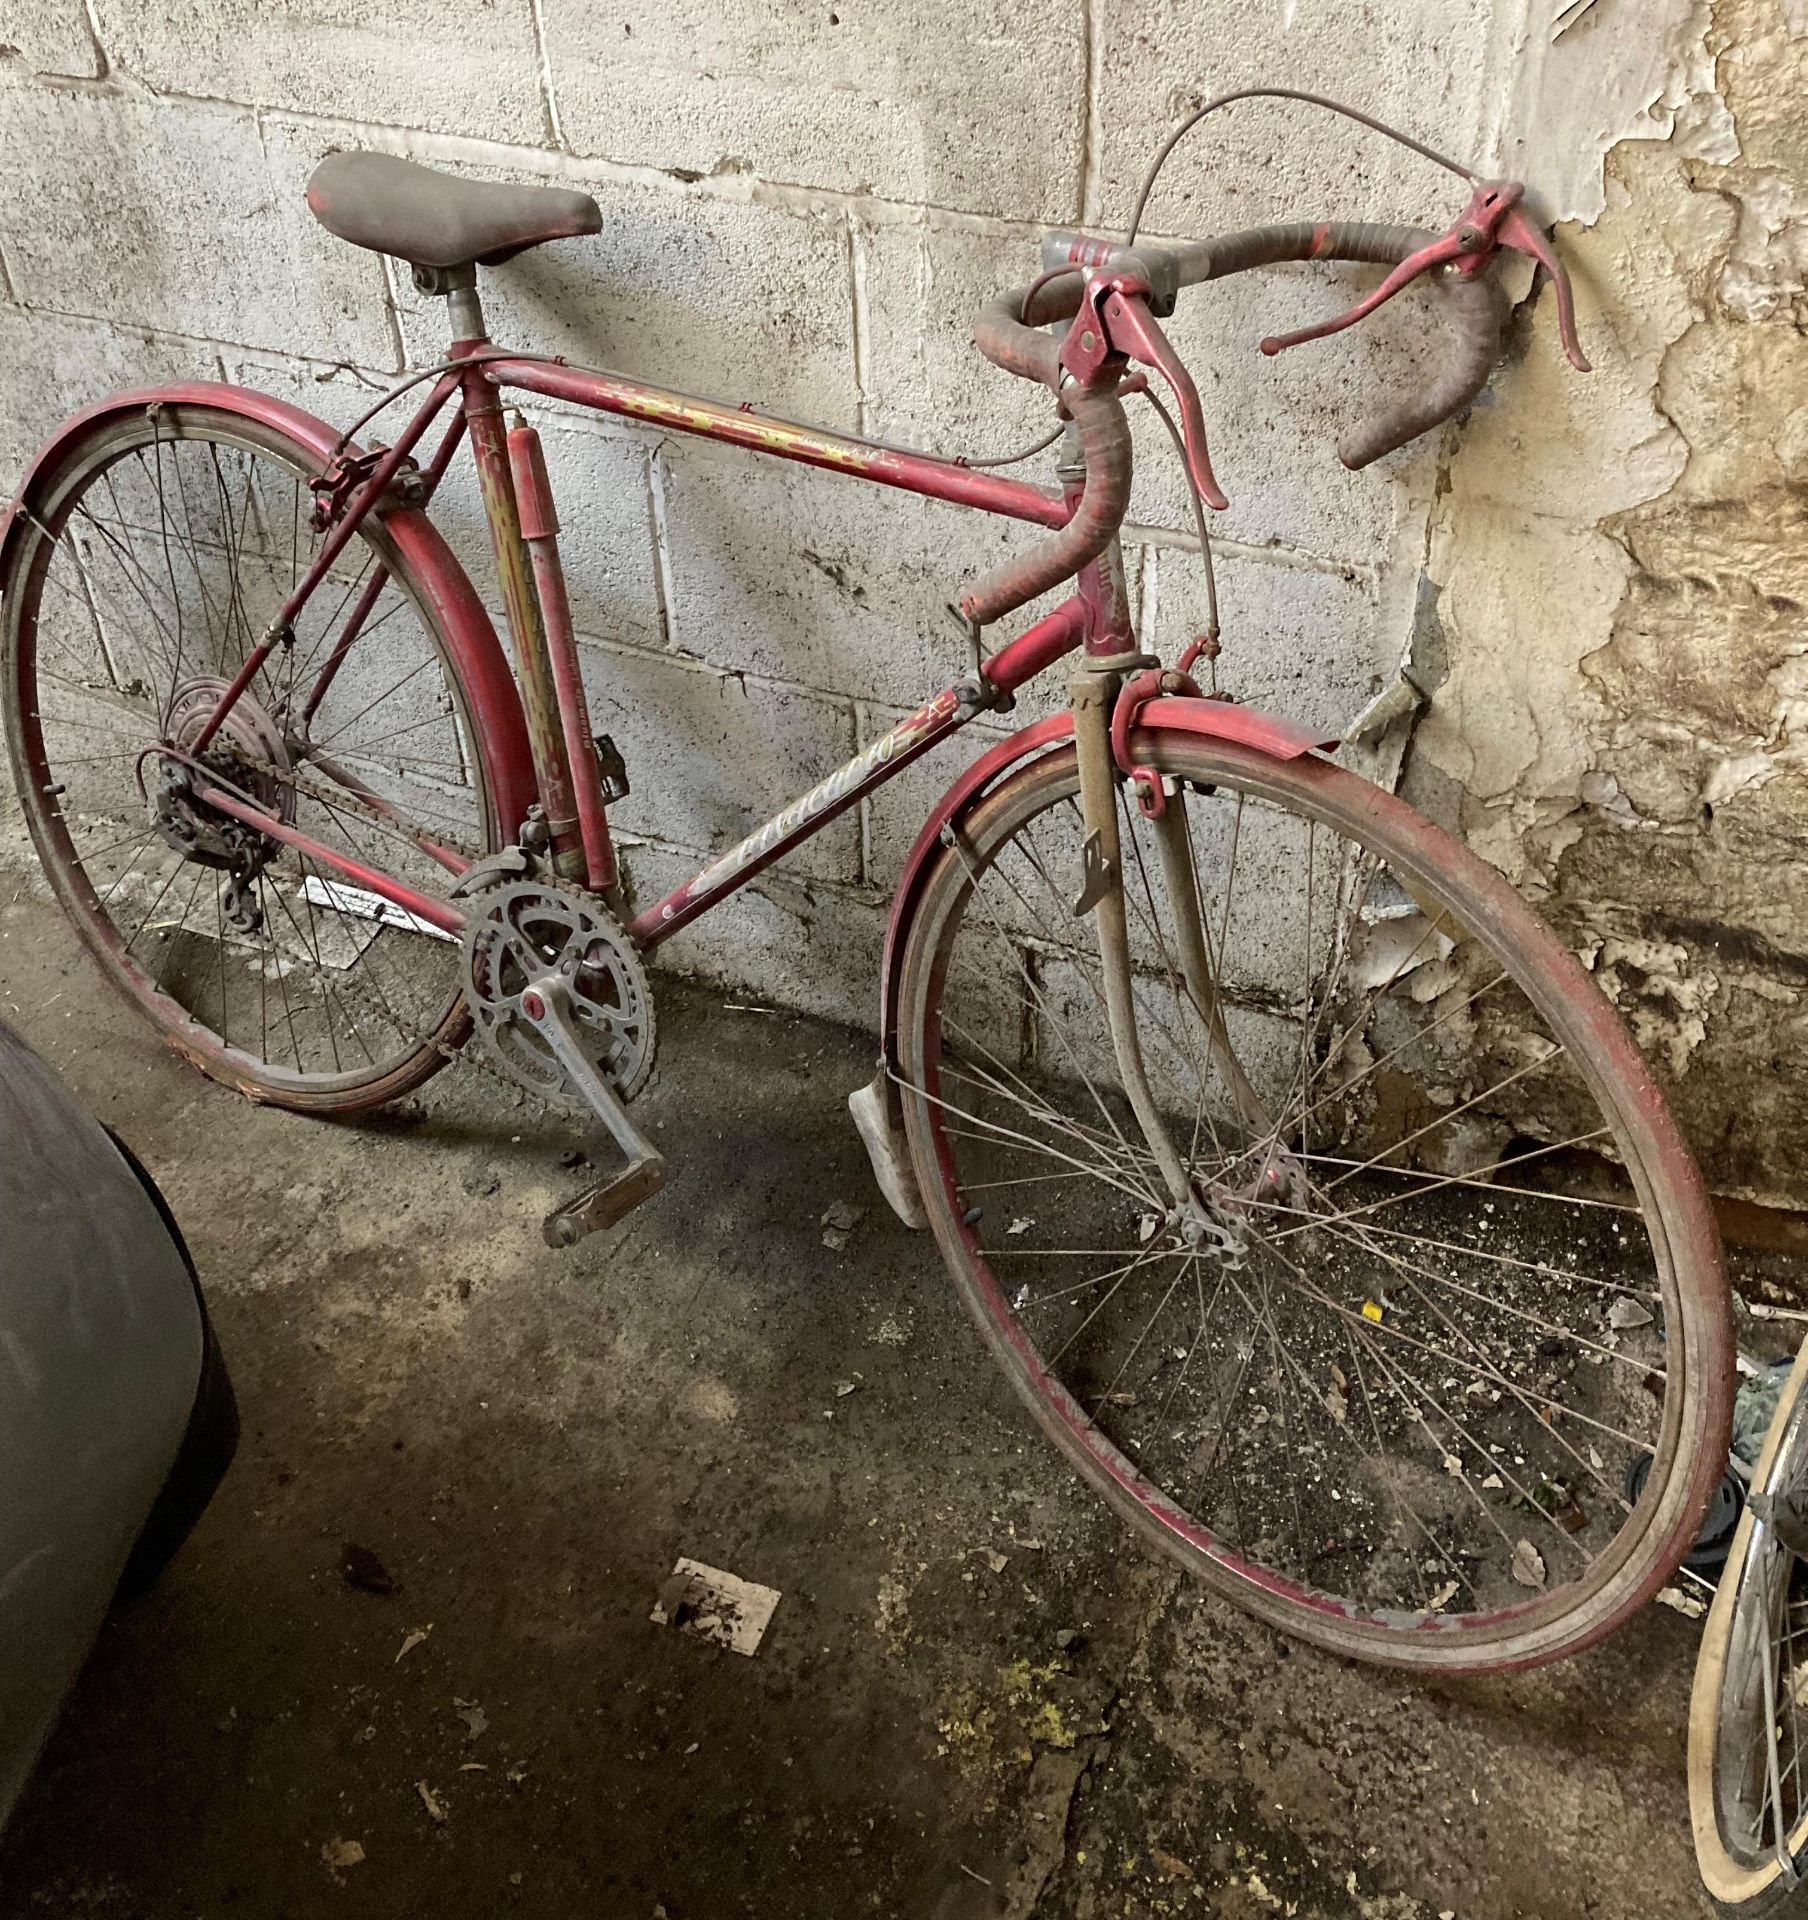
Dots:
pixel 1267 733
pixel 450 598
pixel 1225 720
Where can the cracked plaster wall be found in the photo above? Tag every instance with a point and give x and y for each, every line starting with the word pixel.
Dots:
pixel 1621 566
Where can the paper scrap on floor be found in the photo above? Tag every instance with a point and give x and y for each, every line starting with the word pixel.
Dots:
pixel 717 1606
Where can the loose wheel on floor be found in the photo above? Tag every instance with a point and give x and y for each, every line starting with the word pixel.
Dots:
pixel 1748 1714
pixel 1459 1275
pixel 148 566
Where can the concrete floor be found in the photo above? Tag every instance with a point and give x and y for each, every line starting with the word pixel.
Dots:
pixel 529 1440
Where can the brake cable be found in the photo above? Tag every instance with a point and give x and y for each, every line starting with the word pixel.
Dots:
pixel 414 380
pixel 1279 93
pixel 1206 646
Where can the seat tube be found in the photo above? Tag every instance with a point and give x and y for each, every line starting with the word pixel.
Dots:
pixel 527 628
pixel 540 532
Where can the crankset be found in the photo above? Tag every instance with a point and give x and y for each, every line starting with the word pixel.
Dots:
pixel 562 1003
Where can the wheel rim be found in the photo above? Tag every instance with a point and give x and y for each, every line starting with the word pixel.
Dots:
pixel 1760 1706
pixel 153 564
pixel 1421 1538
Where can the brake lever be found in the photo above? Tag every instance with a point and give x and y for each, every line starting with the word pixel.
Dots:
pixel 1114 320
pixel 1494 218
pixel 1524 236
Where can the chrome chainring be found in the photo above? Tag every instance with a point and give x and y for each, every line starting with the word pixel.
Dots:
pixel 522 930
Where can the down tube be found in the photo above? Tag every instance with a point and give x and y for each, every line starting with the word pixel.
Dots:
pixel 870 768
pixel 1056 634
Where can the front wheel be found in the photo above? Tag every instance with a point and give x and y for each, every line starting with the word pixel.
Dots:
pixel 1436 1371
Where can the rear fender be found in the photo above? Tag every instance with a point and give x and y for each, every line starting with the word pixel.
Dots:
pixel 443 583
pixel 1267 733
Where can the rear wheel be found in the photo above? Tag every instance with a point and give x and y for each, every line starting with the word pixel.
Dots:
pixel 148 566
pixel 1457 1278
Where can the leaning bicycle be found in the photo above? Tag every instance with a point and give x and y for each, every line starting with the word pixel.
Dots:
pixel 1300 1180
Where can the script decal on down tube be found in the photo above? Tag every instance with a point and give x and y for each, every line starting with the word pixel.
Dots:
pixel 843 783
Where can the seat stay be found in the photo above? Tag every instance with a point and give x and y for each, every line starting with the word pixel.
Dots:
pixel 433 473
pixel 350 519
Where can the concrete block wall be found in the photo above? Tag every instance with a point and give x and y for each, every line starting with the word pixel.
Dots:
pixel 803 207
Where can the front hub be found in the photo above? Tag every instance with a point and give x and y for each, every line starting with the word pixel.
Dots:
pixel 1251 1194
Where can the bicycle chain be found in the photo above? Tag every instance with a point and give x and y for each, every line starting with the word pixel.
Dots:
pixel 343 800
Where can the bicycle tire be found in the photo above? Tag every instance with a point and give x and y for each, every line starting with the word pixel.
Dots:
pixel 1734 1872
pixel 1697 1395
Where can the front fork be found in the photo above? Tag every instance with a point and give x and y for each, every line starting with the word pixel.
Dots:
pixel 1094 692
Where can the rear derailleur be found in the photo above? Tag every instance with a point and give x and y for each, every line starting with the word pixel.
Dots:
pixel 208 839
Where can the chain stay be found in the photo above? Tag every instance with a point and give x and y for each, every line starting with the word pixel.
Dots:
pixel 419 1034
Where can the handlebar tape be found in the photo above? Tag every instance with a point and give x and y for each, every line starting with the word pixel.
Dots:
pixel 1008 332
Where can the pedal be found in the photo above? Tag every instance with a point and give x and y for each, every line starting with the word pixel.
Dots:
pixel 546 1005
pixel 605 1202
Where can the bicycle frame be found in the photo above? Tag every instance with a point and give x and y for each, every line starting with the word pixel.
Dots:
pixel 518 505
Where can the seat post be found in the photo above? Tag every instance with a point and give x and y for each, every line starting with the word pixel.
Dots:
pixel 459 286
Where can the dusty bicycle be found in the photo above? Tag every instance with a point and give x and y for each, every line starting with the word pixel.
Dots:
pixel 1298 1177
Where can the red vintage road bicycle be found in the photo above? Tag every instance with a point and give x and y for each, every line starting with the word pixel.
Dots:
pixel 1300 1179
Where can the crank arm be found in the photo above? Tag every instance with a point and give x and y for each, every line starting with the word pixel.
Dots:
pixel 546 1006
